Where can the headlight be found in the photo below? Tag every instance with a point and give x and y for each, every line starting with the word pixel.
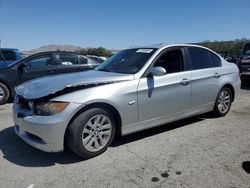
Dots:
pixel 49 108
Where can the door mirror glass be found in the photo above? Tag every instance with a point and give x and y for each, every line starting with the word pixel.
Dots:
pixel 157 71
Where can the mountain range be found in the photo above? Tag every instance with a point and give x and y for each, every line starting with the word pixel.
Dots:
pixel 53 47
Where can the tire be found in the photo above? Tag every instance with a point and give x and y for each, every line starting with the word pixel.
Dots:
pixel 4 93
pixel 85 138
pixel 223 102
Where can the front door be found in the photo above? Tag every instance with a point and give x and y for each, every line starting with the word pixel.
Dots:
pixel 35 67
pixel 162 96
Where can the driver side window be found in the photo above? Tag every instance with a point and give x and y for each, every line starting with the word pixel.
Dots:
pixel 40 61
pixel 172 61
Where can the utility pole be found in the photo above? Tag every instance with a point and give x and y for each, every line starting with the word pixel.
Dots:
pixel 1 54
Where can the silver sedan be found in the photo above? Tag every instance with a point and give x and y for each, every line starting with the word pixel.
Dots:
pixel 134 90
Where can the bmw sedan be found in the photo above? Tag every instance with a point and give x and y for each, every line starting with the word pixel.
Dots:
pixel 134 90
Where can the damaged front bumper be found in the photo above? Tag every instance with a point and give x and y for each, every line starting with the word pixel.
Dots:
pixel 45 133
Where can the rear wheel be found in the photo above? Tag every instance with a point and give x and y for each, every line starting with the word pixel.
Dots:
pixel 4 93
pixel 91 132
pixel 223 102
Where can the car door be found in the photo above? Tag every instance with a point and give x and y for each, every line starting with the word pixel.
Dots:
pixel 162 96
pixel 35 67
pixel 205 76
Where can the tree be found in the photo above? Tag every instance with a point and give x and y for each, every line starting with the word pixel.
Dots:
pixel 234 46
pixel 95 51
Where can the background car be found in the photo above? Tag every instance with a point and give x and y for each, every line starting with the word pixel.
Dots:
pixel 244 64
pixel 38 65
pixel 99 59
pixel 9 56
pixel 134 90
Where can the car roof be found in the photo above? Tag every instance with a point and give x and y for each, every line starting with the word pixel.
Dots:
pixel 184 45
pixel 162 47
pixel 46 52
pixel 11 49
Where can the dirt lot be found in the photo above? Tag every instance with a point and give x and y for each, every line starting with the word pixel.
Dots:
pixel 196 152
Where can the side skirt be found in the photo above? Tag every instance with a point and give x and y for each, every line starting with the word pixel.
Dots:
pixel 128 129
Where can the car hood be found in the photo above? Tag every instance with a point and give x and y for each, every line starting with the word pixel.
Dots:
pixel 48 85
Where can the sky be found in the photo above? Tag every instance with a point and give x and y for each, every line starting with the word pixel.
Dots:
pixel 117 24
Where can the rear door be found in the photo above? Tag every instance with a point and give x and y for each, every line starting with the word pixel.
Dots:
pixel 205 76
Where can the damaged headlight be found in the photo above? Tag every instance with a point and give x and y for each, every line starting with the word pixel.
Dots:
pixel 49 108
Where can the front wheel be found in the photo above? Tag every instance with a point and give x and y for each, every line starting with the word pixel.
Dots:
pixel 223 102
pixel 91 132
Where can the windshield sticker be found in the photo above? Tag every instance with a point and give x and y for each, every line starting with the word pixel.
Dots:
pixel 144 51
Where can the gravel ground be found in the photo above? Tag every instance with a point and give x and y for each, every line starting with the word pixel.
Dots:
pixel 195 152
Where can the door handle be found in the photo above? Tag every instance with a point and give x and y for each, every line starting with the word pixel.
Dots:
pixel 216 75
pixel 185 81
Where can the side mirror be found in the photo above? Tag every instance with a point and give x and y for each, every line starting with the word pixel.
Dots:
pixel 22 67
pixel 157 71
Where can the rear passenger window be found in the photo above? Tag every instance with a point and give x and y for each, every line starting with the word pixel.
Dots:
pixel 215 60
pixel 83 60
pixel 202 58
pixel 68 59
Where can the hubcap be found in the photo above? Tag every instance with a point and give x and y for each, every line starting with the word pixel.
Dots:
pixel 224 101
pixel 96 133
pixel 1 93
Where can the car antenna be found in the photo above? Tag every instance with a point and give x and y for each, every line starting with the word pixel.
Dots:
pixel 1 52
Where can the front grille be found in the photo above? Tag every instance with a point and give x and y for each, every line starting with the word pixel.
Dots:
pixel 23 103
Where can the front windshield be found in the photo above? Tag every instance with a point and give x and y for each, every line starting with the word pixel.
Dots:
pixel 127 61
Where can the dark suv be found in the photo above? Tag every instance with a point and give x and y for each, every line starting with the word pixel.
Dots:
pixel 38 65
pixel 244 63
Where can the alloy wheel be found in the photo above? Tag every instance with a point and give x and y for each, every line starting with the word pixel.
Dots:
pixel 96 133
pixel 224 101
pixel 1 93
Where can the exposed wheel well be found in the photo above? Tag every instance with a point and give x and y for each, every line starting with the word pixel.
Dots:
pixel 229 86
pixel 106 106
